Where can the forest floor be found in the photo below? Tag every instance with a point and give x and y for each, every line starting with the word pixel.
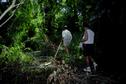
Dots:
pixel 50 72
pixel 68 74
pixel 58 72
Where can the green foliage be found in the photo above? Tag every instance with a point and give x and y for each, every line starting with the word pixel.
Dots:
pixel 75 51
pixel 28 24
pixel 37 26
pixel 26 27
pixel 14 54
pixel 37 22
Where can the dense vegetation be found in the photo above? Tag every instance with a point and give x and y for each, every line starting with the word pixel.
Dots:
pixel 33 33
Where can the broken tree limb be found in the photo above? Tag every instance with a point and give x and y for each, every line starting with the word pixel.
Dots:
pixel 57 49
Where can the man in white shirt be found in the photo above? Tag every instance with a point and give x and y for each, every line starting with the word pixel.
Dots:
pixel 88 48
pixel 67 37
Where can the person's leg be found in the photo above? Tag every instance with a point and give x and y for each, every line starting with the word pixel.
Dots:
pixel 89 57
pixel 65 46
pixel 66 50
pixel 87 61
pixel 87 69
pixel 92 64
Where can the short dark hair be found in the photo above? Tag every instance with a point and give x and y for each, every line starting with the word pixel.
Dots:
pixel 64 27
pixel 86 24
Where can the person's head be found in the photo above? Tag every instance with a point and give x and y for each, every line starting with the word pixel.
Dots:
pixel 85 28
pixel 64 27
pixel 86 24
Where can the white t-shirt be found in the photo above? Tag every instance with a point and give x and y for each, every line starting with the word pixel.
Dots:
pixel 67 37
pixel 90 35
pixel 3 0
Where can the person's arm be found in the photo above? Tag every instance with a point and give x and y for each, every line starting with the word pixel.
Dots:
pixel 85 36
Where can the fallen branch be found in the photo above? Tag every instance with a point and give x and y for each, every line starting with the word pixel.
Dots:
pixel 57 49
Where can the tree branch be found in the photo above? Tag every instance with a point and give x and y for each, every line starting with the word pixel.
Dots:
pixel 8 9
pixel 9 17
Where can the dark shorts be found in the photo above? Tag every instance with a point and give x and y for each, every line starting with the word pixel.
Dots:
pixel 88 49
